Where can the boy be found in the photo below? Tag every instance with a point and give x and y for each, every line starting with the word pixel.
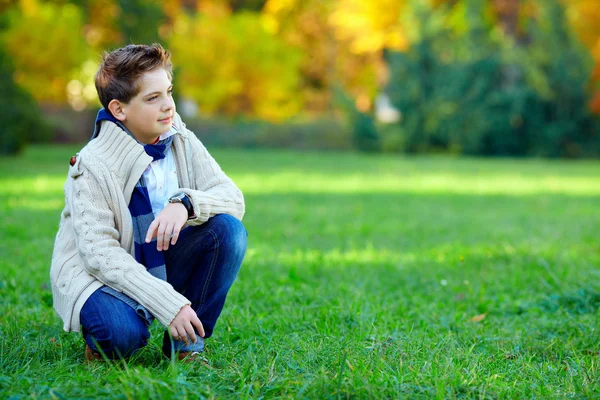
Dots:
pixel 151 225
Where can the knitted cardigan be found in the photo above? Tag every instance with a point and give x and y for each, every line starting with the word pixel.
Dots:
pixel 94 245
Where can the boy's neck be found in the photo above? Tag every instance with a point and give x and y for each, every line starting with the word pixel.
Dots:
pixel 145 140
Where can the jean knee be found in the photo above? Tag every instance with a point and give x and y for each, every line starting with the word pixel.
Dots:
pixel 122 341
pixel 130 339
pixel 232 234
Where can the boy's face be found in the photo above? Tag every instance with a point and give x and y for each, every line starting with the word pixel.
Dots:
pixel 150 113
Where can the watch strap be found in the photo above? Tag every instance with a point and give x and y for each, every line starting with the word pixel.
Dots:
pixel 185 200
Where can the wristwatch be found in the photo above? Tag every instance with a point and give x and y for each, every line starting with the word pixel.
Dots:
pixel 185 200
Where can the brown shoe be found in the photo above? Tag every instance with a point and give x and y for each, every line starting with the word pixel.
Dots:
pixel 91 356
pixel 190 357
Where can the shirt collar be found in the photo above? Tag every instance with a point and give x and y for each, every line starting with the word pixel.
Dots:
pixel 170 133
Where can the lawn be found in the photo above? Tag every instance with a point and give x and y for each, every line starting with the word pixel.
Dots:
pixel 365 277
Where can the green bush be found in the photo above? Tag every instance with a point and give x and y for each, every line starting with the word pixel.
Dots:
pixel 500 99
pixel 365 136
pixel 20 115
pixel 326 134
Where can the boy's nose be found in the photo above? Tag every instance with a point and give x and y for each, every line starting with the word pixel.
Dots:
pixel 168 105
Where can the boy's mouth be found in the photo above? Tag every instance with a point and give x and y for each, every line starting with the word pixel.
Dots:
pixel 165 120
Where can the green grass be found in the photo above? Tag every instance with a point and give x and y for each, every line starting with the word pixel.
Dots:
pixel 365 277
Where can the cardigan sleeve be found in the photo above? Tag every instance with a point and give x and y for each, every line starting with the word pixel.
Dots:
pixel 98 244
pixel 214 192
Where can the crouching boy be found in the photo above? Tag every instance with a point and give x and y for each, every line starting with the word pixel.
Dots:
pixel 151 225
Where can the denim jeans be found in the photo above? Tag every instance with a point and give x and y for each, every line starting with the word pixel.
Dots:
pixel 202 266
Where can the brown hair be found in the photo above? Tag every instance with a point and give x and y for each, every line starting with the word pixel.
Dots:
pixel 119 74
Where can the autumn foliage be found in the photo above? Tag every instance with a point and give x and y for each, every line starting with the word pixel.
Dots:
pixel 277 60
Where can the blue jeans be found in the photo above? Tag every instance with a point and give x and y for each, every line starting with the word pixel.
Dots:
pixel 202 266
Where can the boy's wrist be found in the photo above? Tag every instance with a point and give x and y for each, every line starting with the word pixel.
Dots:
pixel 185 200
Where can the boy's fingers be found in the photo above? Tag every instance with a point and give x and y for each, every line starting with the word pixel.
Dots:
pixel 176 231
pixel 160 237
pixel 167 236
pixel 191 333
pixel 196 322
pixel 174 333
pixel 183 335
pixel 151 231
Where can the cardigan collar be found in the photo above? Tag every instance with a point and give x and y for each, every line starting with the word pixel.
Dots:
pixel 120 151
pixel 121 154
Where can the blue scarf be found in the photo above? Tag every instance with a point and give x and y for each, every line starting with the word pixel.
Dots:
pixel 140 208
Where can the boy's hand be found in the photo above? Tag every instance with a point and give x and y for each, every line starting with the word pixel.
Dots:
pixel 183 325
pixel 167 225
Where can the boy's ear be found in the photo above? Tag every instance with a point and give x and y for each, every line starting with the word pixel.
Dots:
pixel 116 109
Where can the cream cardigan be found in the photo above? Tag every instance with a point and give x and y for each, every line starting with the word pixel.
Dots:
pixel 94 244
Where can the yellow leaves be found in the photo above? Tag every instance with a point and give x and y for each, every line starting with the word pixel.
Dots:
pixel 270 24
pixel 101 29
pixel 437 3
pixel 584 16
pixel 369 25
pixel 529 8
pixel 46 46
pixel 266 64
pixel 275 11
pixel 171 8
pixel 274 7
pixel 595 102
pixel 239 68
pixel 214 8
pixel 29 7
pixel 596 49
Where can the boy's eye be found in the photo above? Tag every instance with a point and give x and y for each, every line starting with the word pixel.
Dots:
pixel 152 98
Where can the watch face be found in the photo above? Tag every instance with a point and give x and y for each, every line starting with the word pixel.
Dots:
pixel 177 198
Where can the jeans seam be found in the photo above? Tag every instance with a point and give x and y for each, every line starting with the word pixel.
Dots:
pixel 187 239
pixel 210 270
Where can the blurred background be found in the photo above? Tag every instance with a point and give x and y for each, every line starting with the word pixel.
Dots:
pixel 474 77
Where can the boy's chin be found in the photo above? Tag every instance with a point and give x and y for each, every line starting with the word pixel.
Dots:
pixel 163 130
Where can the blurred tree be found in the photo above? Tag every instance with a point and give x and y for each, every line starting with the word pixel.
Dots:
pixel 172 9
pixel 230 64
pixel 139 20
pixel 507 13
pixel 370 25
pixel 481 77
pixel 247 5
pixel 6 4
pixel 566 127
pixel 21 118
pixel 46 46
pixel 364 133
pixel 327 59
pixel 109 23
pixel 454 94
pixel 102 30
pixel 303 26
pixel 584 16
